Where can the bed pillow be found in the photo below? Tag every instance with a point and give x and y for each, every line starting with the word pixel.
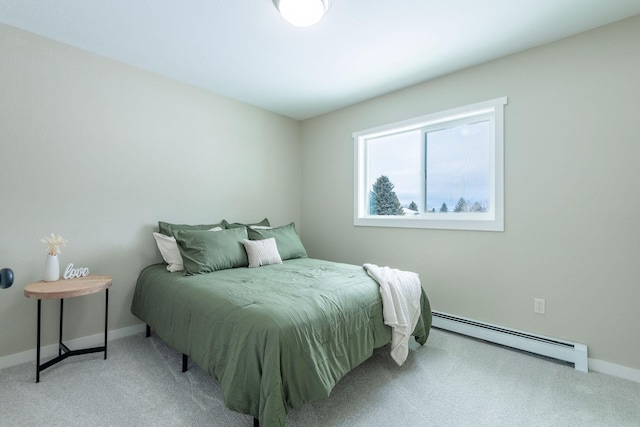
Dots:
pixel 169 250
pixel 263 223
pixel 206 252
pixel 262 252
pixel 287 240
pixel 167 228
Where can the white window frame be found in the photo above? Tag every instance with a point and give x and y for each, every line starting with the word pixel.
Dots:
pixel 487 221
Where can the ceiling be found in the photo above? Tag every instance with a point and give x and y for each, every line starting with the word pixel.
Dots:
pixel 244 50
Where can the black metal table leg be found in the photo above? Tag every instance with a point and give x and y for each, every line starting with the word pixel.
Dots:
pixel 60 334
pixel 106 320
pixel 38 345
pixel 63 350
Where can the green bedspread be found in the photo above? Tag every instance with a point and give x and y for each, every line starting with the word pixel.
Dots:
pixel 273 337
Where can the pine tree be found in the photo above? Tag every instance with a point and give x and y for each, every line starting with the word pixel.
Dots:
pixel 413 206
pixel 477 207
pixel 461 206
pixel 383 199
pixel 444 208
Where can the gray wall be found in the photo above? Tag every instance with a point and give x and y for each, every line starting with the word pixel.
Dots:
pixel 98 152
pixel 571 194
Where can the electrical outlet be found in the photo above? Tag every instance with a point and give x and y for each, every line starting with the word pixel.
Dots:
pixel 538 305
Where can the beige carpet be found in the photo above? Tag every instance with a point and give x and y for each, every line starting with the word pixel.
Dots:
pixel 451 381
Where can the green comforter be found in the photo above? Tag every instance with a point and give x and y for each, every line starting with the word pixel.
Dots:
pixel 273 337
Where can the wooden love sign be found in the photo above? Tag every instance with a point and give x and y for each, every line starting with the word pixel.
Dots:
pixel 72 273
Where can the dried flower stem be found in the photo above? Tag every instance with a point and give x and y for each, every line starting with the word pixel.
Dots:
pixel 53 244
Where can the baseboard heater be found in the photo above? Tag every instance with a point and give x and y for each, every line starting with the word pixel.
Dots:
pixel 537 344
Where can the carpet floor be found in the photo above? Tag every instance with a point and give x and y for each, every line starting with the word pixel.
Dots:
pixel 451 381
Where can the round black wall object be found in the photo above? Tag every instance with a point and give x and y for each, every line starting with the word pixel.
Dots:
pixel 6 278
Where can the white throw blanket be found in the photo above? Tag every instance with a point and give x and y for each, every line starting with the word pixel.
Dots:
pixel 400 291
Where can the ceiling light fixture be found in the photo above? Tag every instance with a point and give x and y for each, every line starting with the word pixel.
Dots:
pixel 302 13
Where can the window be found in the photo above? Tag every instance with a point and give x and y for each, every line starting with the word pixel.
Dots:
pixel 443 170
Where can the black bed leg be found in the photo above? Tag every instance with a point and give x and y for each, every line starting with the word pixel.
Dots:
pixel 185 360
pixel 148 331
pixel 256 423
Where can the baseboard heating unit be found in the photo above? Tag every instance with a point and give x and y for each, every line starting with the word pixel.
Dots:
pixel 537 344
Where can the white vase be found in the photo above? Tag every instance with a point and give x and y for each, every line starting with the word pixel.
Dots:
pixel 52 268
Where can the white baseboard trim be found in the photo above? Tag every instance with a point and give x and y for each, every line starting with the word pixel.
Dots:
pixel 595 365
pixel 614 370
pixel 83 342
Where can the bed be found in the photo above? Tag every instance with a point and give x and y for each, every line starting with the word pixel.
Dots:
pixel 273 337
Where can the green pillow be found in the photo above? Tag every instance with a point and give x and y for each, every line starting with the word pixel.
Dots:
pixel 208 251
pixel 167 228
pixel 263 223
pixel 287 240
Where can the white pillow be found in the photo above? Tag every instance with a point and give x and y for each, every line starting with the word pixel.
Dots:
pixel 262 252
pixel 168 248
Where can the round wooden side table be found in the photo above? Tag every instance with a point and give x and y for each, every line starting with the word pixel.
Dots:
pixel 62 289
